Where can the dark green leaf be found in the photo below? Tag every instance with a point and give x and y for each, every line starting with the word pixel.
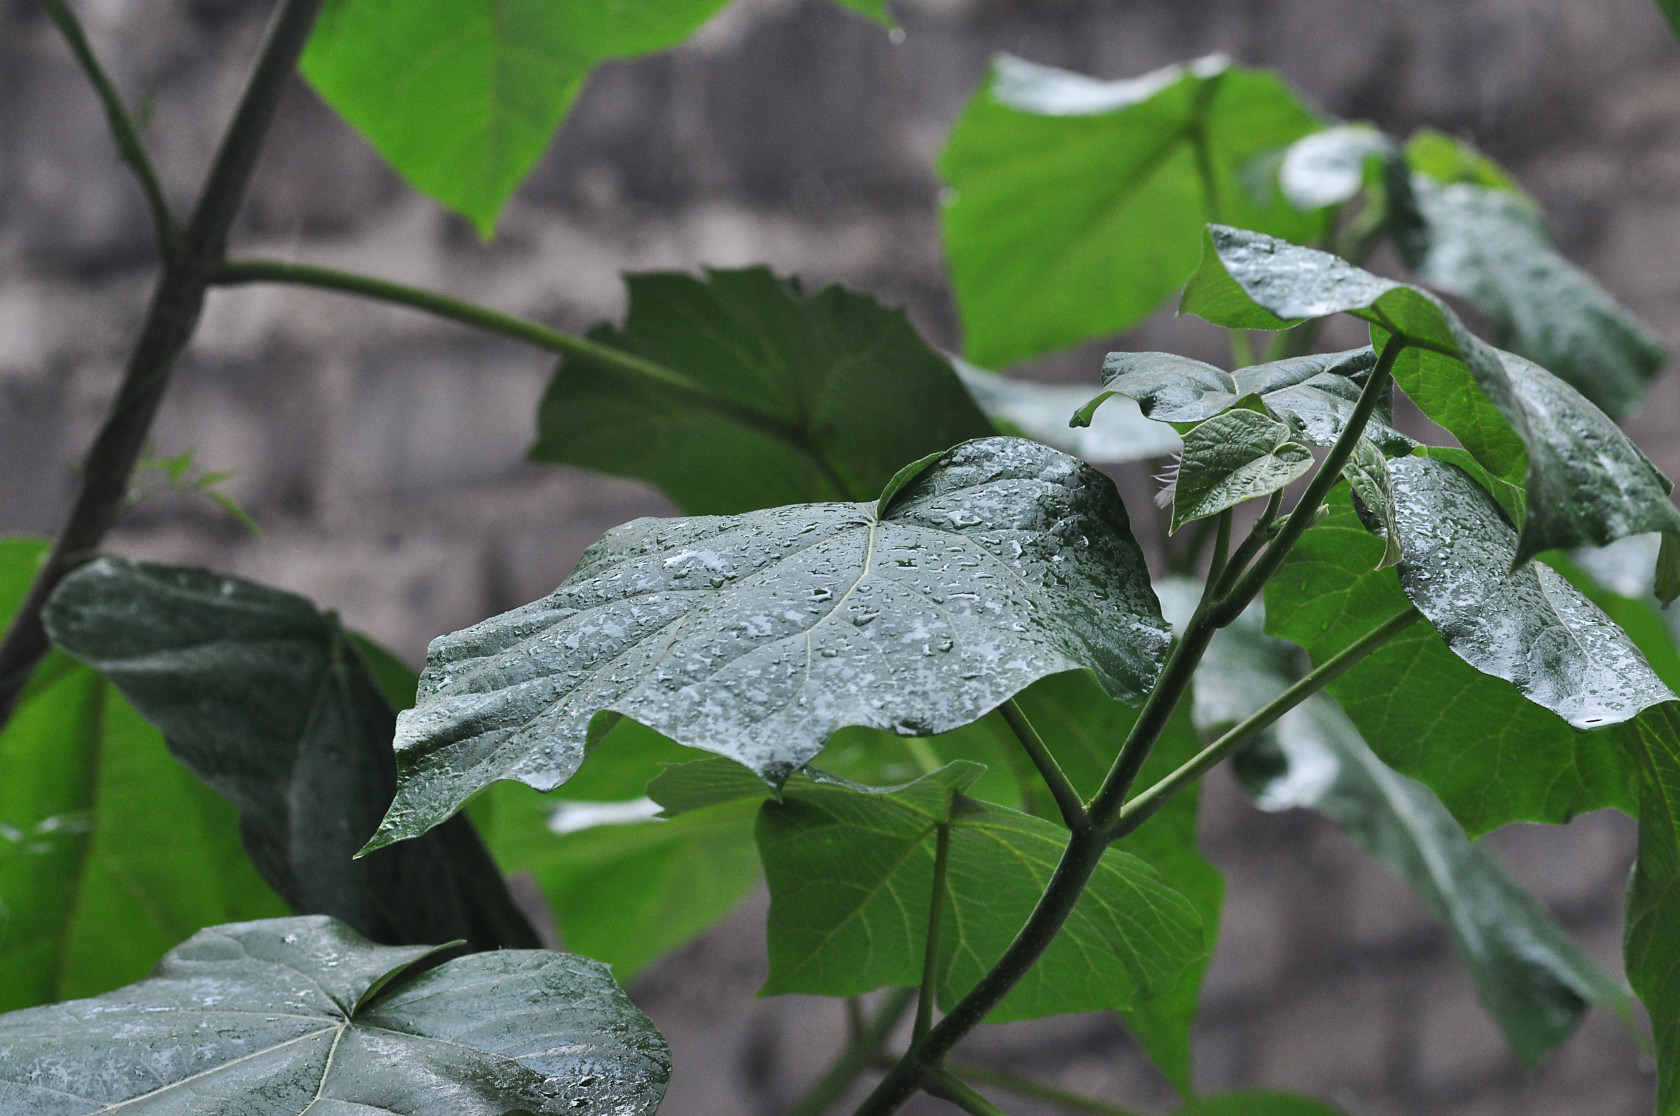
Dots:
pixel 1077 205
pixel 1251 1102
pixel 1235 456
pixel 1667 585
pixel 1490 754
pixel 1329 167
pixel 1528 626
pixel 794 398
pixel 462 99
pixel 1368 475
pixel 1587 484
pixel 1314 394
pixel 291 1015
pixel 850 885
pixel 758 636
pixel 265 699
pixel 1119 432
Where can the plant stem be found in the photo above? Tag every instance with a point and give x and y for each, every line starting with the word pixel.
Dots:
pixel 860 1055
pixel 177 301
pixel 948 1086
pixel 1062 790
pixel 930 955
pixel 127 137
pixel 1249 548
pixel 1221 546
pixel 1027 1087
pixel 1145 803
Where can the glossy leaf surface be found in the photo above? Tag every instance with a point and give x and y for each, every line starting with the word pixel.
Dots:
pixel 794 398
pixel 1118 432
pixel 462 99
pixel 1490 754
pixel 266 700
pixel 758 636
pixel 297 1015
pixel 1329 167
pixel 1368 475
pixel 1235 456
pixel 1077 204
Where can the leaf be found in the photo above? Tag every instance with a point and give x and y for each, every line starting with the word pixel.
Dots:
pixel 1254 1102
pixel 291 1015
pixel 1534 980
pixel 1314 394
pixel 1667 585
pixel 1490 754
pixel 758 636
pixel 1232 457
pixel 463 99
pixel 794 398
pixel 1076 205
pixel 851 875
pixel 1368 476
pixel 1587 484
pixel 1040 411
pixel 1527 626
pixel 266 700
pixel 1329 167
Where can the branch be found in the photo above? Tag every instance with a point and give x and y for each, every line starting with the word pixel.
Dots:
pixel 1062 790
pixel 1141 807
pixel 859 1056
pixel 1027 1087
pixel 948 1086
pixel 930 954
pixel 127 137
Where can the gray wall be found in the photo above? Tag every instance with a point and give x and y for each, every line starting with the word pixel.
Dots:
pixel 383 452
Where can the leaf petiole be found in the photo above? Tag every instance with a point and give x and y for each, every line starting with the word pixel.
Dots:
pixel 1072 807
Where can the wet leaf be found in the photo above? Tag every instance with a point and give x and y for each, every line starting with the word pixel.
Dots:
pixel 1233 457
pixel 1329 167
pixel 1368 475
pixel 758 636
pixel 267 701
pixel 291 1015
pixel 1587 484
pixel 794 398
pixel 1119 432
pixel 1076 205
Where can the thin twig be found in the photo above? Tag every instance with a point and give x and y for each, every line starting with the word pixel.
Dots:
pixel 862 1053
pixel 1072 807
pixel 930 953
pixel 1028 1087
pixel 948 1086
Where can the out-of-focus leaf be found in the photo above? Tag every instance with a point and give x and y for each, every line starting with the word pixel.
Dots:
pixel 1076 205
pixel 266 700
pixel 792 398
pixel 1367 473
pixel 296 1015
pixel 1328 167
pixel 758 636
pixel 1447 160
pixel 1235 456
pixel 1119 432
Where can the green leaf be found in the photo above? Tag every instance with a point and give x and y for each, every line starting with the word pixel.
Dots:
pixel 758 636
pixel 291 1015
pixel 1490 754
pixel 1368 475
pixel 1667 586
pixel 1534 980
pixel 463 99
pixel 1076 205
pixel 1449 160
pixel 851 875
pixel 870 9
pixel 1587 484
pixel 1232 457
pixel 795 398
pixel 1119 432
pixel 1330 167
pixel 1253 1102
pixel 1314 394
pixel 1511 498
pixel 1671 11
pixel 265 699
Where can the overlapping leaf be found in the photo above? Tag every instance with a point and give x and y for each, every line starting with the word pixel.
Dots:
pixel 758 636
pixel 1118 432
pixel 1368 475
pixel 297 1015
pixel 1235 456
pixel 1076 205
pixel 791 398
pixel 266 700
pixel 1586 483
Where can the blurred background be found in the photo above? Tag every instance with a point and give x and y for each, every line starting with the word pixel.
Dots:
pixel 383 453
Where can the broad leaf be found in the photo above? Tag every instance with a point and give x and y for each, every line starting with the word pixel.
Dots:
pixel 1587 484
pixel 1314 394
pixel 1528 626
pixel 1533 978
pixel 793 398
pixel 1076 205
pixel 1490 754
pixel 758 636
pixel 110 852
pixel 1368 475
pixel 1119 432
pixel 1235 456
pixel 462 98
pixel 265 699
pixel 297 1015
pixel 1329 167
pixel 1254 1102
pixel 1448 160
pixel 851 877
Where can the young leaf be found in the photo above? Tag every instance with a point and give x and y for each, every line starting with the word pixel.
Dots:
pixel 1076 205
pixel 1490 754
pixel 265 699
pixel 1368 476
pixel 757 636
pixel 787 400
pixel 1232 457
pixel 850 878
pixel 462 99
pixel 1528 626
pixel 297 1015
pixel 1587 484
pixel 1119 432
